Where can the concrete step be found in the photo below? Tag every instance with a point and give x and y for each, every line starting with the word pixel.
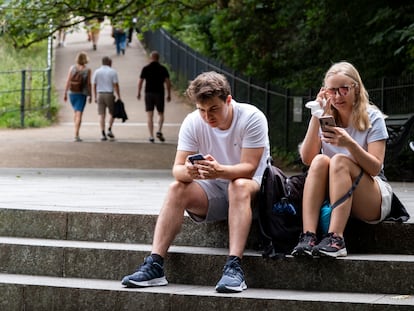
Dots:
pixel 87 225
pixel 369 273
pixel 56 225
pixel 27 292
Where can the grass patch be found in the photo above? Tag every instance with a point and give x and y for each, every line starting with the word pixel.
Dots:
pixel 25 69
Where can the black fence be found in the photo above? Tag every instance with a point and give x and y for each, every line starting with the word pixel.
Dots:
pixel 284 108
pixel 33 88
pixel 33 92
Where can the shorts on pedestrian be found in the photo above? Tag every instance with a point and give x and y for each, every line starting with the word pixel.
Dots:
pixel 154 100
pixel 106 100
pixel 386 194
pixel 78 101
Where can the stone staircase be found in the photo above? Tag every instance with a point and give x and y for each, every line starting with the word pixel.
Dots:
pixel 73 258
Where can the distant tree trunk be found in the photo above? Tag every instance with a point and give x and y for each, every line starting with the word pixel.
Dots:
pixel 222 4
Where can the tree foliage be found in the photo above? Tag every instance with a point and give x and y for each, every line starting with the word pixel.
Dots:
pixel 288 42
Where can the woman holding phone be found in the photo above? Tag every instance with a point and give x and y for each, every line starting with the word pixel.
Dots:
pixel 346 158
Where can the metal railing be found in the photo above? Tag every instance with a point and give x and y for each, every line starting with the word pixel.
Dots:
pixel 284 108
pixel 35 86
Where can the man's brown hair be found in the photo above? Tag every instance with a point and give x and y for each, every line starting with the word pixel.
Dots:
pixel 207 86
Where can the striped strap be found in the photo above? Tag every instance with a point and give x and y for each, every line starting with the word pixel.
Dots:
pixel 350 191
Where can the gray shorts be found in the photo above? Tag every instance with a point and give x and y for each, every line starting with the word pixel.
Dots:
pixel 217 192
pixel 386 195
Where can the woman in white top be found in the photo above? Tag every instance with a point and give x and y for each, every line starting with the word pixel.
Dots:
pixel 348 155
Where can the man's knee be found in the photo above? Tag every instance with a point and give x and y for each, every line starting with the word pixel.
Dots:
pixel 243 189
pixel 181 193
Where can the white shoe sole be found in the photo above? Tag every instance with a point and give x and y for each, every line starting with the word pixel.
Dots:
pixel 340 253
pixel 231 289
pixel 154 282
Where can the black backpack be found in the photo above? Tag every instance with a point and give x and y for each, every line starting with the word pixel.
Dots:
pixel 280 211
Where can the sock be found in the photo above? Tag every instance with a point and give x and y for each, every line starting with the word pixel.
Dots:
pixel 103 133
pixel 231 258
pixel 157 258
pixel 109 129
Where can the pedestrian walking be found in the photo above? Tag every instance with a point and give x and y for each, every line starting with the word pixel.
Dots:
pixel 120 36
pixel 93 28
pixel 155 76
pixel 105 87
pixel 78 89
pixel 61 38
pixel 131 30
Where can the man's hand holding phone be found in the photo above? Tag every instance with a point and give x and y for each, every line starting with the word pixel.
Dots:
pixel 193 170
pixel 196 157
pixel 209 169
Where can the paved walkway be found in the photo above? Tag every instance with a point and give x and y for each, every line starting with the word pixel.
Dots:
pixel 45 169
pixel 54 146
pixel 129 67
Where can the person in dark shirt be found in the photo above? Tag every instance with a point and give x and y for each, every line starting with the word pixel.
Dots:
pixel 155 75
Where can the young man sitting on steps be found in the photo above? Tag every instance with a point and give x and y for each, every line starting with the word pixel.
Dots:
pixel 233 140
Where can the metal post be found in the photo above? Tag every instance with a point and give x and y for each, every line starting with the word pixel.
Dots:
pixel 22 98
pixel 249 89
pixel 382 94
pixel 49 90
pixel 287 119
pixel 267 101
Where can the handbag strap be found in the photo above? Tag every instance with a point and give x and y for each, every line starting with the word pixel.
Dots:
pixel 350 191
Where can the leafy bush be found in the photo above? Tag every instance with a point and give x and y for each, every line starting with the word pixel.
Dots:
pixel 287 160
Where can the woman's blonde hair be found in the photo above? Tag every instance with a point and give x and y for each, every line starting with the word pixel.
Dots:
pixel 82 58
pixel 359 117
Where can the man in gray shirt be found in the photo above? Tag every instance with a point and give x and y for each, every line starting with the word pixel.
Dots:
pixel 105 84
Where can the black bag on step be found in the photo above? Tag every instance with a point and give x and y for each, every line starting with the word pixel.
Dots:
pixel 280 211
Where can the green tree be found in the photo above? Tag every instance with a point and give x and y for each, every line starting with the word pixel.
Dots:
pixel 288 42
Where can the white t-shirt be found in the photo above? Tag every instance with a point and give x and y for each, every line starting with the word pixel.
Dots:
pixel 105 77
pixel 248 129
pixel 377 131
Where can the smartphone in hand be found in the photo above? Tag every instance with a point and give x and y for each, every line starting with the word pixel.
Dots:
pixel 196 157
pixel 326 121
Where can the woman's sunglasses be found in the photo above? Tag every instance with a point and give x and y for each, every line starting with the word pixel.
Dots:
pixel 342 90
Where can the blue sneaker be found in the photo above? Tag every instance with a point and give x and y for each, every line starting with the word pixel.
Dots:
pixel 232 280
pixel 150 273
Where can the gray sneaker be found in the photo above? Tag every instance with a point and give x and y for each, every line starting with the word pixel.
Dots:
pixel 150 273
pixel 307 242
pixel 332 245
pixel 232 280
